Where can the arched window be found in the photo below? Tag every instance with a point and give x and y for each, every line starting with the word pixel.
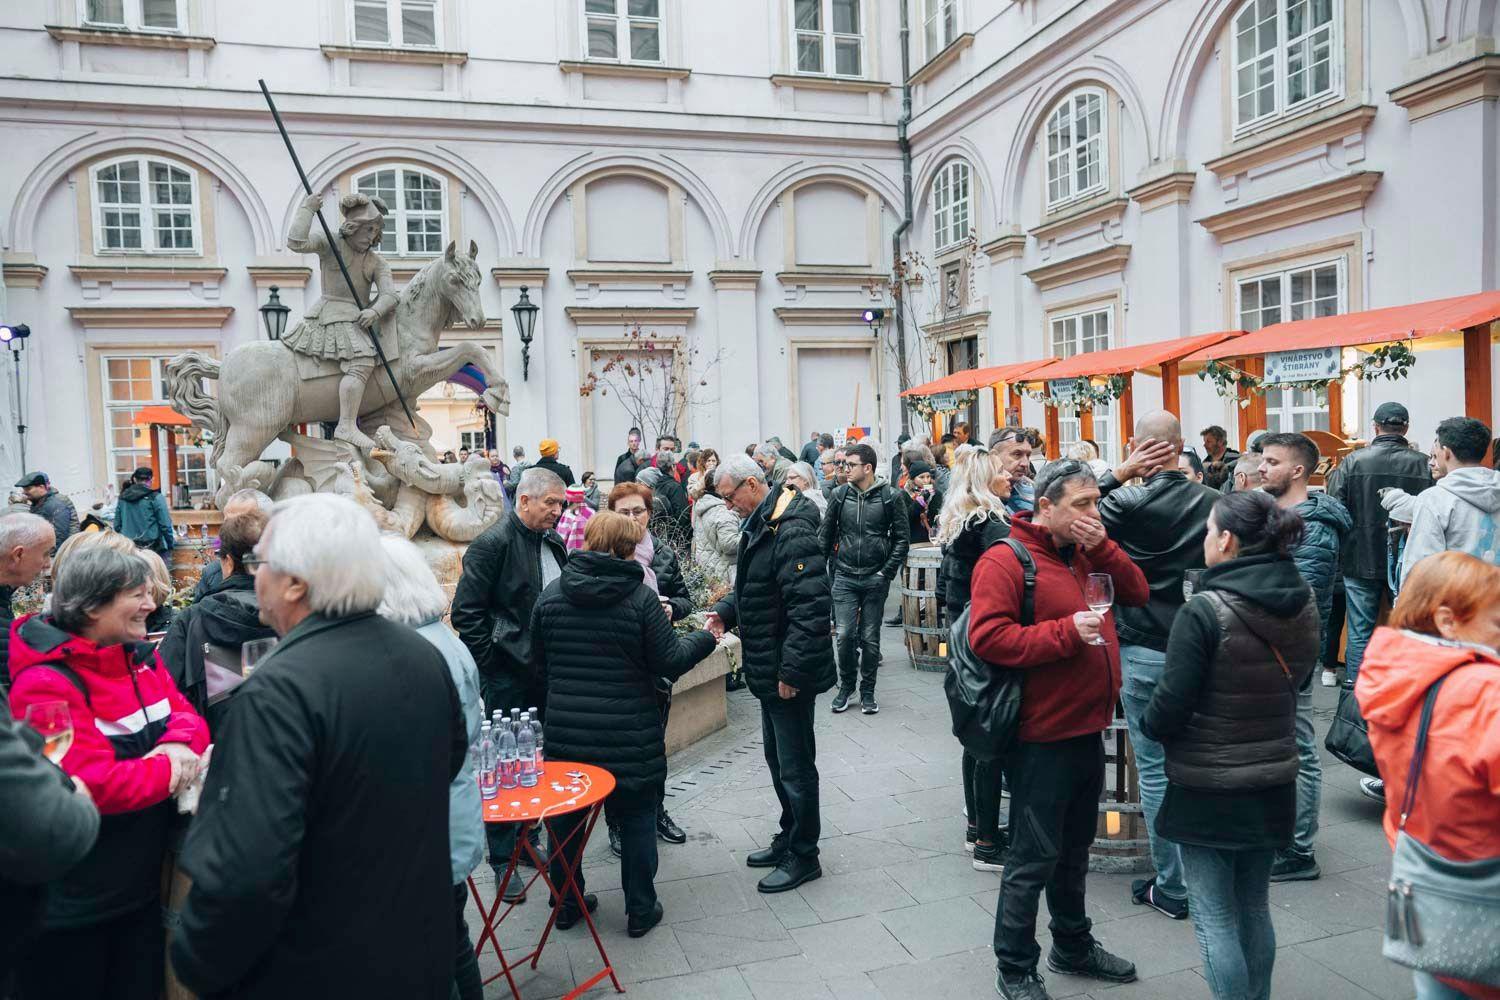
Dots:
pixel 1076 149
pixel 1287 54
pixel 950 205
pixel 418 203
pixel 144 204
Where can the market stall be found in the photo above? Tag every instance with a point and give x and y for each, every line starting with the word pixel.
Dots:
pixel 951 393
pixel 1328 353
pixel 156 419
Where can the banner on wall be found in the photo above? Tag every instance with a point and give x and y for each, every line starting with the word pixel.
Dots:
pixel 844 435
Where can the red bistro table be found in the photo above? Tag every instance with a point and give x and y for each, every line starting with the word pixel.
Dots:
pixel 564 787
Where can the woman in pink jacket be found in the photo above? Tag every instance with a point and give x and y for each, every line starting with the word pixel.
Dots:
pixel 136 742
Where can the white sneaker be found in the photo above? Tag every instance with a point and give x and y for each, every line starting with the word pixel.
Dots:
pixel 1330 679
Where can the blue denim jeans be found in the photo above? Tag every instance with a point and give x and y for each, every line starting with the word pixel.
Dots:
pixel 1309 777
pixel 1362 599
pixel 1228 896
pixel 1430 988
pixel 858 605
pixel 1142 667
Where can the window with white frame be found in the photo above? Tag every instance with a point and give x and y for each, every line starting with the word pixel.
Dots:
pixel 622 30
pixel 132 382
pixel 940 24
pixel 418 204
pixel 143 204
pixel 1297 293
pixel 134 15
pixel 406 24
pixel 472 440
pixel 950 204
pixel 828 37
pixel 1081 333
pixel 1287 55
pixel 1077 164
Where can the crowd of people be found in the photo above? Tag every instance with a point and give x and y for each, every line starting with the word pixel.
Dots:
pixel 337 813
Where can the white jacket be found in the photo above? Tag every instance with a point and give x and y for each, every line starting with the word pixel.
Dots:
pixel 716 537
pixel 1461 513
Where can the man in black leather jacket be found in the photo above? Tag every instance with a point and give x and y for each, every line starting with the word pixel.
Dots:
pixel 1388 461
pixel 1160 525
pixel 865 535
pixel 505 571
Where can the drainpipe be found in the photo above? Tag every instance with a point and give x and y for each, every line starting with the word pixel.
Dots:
pixel 905 146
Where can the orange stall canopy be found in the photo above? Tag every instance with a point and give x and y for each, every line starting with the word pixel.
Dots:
pixel 1147 358
pixel 976 378
pixel 159 416
pixel 152 417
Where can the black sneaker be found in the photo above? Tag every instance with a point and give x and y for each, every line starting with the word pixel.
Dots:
pixel 841 701
pixel 640 928
pixel 569 915
pixel 894 621
pixel 768 857
pixel 733 682
pixel 614 841
pixel 1293 867
pixel 989 857
pixel 1097 964
pixel 515 889
pixel 792 872
pixel 971 834
pixel 1372 788
pixel 1144 893
pixel 1027 986
pixel 867 704
pixel 669 831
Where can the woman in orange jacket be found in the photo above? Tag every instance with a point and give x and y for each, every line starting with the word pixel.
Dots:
pixel 1446 623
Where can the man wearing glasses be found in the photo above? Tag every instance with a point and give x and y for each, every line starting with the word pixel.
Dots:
pixel 865 536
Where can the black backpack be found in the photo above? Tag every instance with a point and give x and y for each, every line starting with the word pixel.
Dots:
pixel 985 700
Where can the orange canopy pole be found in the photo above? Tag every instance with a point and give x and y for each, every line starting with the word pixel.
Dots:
pixel 1127 414
pixel 1336 408
pixel 1086 424
pixel 166 485
pixel 1013 402
pixel 1054 433
pixel 1171 389
pixel 1252 417
pixel 1478 395
pixel 999 404
pixel 155 455
pixel 937 428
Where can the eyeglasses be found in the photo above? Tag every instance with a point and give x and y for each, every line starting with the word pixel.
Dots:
pixel 631 511
pixel 849 463
pixel 252 564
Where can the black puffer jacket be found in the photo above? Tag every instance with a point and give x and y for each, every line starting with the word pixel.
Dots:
pixel 1226 707
pixel 780 599
pixel 495 596
pixel 1160 525
pixel 959 558
pixel 669 581
pixel 601 641
pixel 228 618
pixel 866 531
pixel 1356 483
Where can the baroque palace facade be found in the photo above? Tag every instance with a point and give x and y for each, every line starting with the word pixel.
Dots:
pixel 732 175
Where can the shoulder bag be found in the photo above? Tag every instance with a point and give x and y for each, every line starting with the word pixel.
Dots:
pixel 984 700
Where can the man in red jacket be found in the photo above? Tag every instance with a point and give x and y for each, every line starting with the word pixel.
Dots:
pixel 1068 699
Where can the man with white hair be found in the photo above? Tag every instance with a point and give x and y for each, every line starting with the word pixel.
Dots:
pixel 332 777
pixel 505 571
pixel 26 544
pixel 769 457
pixel 239 503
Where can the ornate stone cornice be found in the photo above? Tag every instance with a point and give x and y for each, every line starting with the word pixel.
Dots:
pixel 1318 132
pixel 832 278
pixel 630 71
pixel 1174 188
pixel 1475 80
pixel 1097 216
pixel 514 274
pixel 955 326
pixel 133 39
pixel 1106 260
pixel 616 316
pixel 1006 246
pixel 743 279
pixel 282 276
pixel 942 60
pixel 828 83
pixel 115 274
pixel 629 276
pixel 152 317
pixel 819 316
pixel 424 57
pixel 1291 208
pixel 24 274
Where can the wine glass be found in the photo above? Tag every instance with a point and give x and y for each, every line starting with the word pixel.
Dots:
pixel 252 652
pixel 1099 594
pixel 1190 583
pixel 55 724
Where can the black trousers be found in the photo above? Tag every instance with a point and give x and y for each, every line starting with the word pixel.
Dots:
pixel 120 959
pixel 467 983
pixel 635 817
pixel 981 780
pixel 1054 811
pixel 501 693
pixel 792 755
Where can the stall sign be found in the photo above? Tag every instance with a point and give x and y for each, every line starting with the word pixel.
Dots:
pixel 1062 390
pixel 943 402
pixel 1312 364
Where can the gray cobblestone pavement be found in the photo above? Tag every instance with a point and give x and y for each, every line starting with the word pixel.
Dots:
pixel 899 912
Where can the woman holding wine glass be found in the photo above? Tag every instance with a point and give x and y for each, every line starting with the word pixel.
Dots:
pixel 1225 711
pixel 135 742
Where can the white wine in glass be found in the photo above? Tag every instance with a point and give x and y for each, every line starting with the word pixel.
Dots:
pixel 55 724
pixel 1099 594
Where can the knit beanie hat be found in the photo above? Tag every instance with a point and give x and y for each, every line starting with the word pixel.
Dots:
pixel 548 448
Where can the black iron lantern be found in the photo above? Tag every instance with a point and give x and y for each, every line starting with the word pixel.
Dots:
pixel 274 314
pixel 525 313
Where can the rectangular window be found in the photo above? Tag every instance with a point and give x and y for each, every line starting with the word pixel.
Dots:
pixel 134 15
pixel 1298 293
pixel 940 25
pixel 622 30
pixel 1287 55
pixel 416 203
pixel 472 440
pixel 963 356
pixel 131 383
pixel 1082 333
pixel 828 37
pixel 397 23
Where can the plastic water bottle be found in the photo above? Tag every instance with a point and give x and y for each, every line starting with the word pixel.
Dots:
pixel 507 757
pixel 541 755
pixel 515 721
pixel 526 753
pixel 487 776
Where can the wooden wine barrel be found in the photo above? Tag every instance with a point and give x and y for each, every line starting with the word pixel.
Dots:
pixel 1120 841
pixel 921 616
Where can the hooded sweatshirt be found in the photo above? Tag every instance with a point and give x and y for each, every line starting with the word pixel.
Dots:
pixel 1462 513
pixel 142 516
pixel 126 706
pixel 1457 809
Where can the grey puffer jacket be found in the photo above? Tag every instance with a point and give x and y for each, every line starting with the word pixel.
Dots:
pixel 1325 524
pixel 716 537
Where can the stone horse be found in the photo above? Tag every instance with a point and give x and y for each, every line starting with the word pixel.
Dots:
pixel 265 387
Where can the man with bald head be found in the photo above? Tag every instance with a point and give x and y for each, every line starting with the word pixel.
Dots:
pixel 1160 524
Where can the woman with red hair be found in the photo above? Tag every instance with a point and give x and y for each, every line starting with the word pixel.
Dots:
pixel 1445 628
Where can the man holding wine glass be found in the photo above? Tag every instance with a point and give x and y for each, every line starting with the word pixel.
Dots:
pixel 1059 634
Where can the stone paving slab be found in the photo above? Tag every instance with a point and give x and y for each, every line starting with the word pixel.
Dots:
pixel 900 912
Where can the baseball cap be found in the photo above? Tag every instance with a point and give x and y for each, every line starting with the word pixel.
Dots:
pixel 33 479
pixel 1392 415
